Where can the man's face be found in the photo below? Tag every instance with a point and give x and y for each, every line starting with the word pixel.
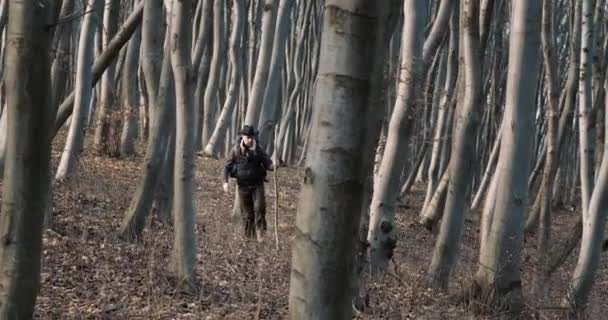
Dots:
pixel 248 141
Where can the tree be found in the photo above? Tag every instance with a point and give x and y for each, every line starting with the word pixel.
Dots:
pixel 236 62
pixel 498 276
pixel 258 86
pixel 337 164
pixel 211 91
pixel 269 109
pixel 83 91
pixel 26 183
pixel 585 105
pixel 103 61
pixel 129 94
pixel 592 238
pixel 159 85
pixel 463 149
pixel 106 137
pixel 381 235
pixel 184 247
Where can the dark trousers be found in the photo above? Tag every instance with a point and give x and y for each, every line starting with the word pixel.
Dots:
pixel 253 208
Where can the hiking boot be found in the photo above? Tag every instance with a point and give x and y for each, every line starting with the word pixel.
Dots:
pixel 260 235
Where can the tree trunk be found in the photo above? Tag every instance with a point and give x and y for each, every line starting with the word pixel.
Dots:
pixel 61 62
pixel 130 96
pixel 382 233
pixel 462 160
pixel 498 276
pixel 551 162
pixel 258 86
pixel 103 61
pixel 568 103
pixel 74 143
pixel 184 247
pixel 236 61
pixel 592 237
pixel 161 97
pixel 490 168
pixel 211 91
pixel 105 137
pixel 585 105
pixel 26 184
pixel 269 109
pixel 441 127
pixel 336 169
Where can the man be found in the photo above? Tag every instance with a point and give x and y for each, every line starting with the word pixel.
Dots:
pixel 248 163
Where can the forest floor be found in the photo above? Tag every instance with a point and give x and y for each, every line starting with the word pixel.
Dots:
pixel 88 273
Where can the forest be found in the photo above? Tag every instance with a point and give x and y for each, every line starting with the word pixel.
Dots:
pixel 303 159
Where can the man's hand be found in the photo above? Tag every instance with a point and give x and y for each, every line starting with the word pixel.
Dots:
pixel 226 187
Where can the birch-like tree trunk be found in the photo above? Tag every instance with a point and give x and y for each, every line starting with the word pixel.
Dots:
pixel 462 160
pixel 236 62
pixel 551 161
pixel 382 235
pixel 105 137
pixel 26 182
pixel 61 62
pixel 184 247
pixel 129 92
pixel 103 61
pixel 159 85
pixel 592 238
pixel 258 86
pixel 211 91
pixel 498 276
pixel 270 110
pixel 585 104
pixel 442 124
pixel 338 164
pixel 74 143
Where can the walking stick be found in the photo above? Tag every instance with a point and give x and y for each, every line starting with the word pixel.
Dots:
pixel 276 209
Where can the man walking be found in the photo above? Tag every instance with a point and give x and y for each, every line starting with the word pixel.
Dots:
pixel 248 163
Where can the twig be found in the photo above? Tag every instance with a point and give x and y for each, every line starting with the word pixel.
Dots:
pixel 276 210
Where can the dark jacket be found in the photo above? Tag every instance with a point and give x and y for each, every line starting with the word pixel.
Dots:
pixel 247 166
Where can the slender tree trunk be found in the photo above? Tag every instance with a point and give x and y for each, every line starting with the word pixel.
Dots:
pixel 431 214
pixel 585 105
pixel 130 96
pixel 184 247
pixel 211 91
pixel 326 227
pixel 26 184
pixel 441 127
pixel 382 235
pixel 160 90
pixel 103 61
pixel 568 103
pixel 236 61
pixel 490 168
pixel 61 62
pixel 440 26
pixel 258 86
pixel 592 238
pixel 104 140
pixel 74 143
pixel 498 276
pixel 462 161
pixel 269 109
pixel 551 162
pixel 164 192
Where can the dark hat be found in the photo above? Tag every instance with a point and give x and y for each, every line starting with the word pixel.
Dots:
pixel 248 131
